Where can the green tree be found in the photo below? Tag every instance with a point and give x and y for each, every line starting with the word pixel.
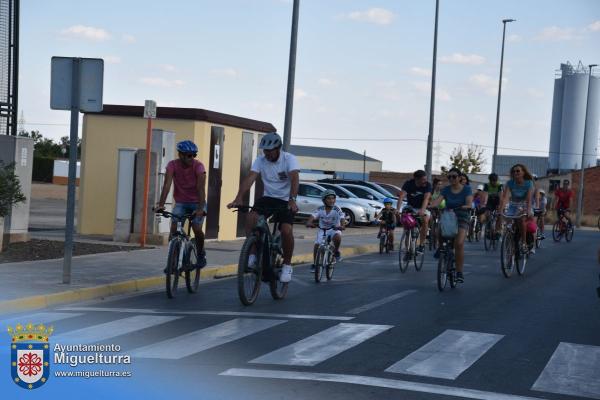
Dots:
pixel 469 162
pixel 10 189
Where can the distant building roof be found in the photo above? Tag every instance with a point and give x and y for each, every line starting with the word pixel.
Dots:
pixel 196 114
pixel 535 165
pixel 326 152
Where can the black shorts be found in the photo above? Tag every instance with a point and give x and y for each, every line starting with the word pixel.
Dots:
pixel 279 209
pixel 493 203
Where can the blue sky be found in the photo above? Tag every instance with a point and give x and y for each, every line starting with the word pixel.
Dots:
pixel 363 67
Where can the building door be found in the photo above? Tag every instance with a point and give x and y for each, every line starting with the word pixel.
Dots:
pixel 217 136
pixel 246 163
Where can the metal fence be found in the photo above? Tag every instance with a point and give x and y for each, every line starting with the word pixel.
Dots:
pixel 9 65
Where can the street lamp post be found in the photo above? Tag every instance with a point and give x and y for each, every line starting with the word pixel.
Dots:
pixel 580 191
pixel 428 163
pixel 289 104
pixel 504 21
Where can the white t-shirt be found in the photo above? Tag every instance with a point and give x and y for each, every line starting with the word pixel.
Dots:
pixel 331 220
pixel 276 175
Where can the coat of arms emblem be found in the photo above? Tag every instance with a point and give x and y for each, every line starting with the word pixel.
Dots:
pixel 30 355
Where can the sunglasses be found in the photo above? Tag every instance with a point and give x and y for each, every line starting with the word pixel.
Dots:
pixel 190 155
pixel 452 176
pixel 517 171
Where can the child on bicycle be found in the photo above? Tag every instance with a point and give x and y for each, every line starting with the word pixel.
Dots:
pixel 387 219
pixel 331 223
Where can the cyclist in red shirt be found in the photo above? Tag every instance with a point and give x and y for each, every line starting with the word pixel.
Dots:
pixel 562 200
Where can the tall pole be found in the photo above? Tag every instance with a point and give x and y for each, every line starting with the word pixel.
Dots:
pixel 580 191
pixel 365 165
pixel 289 103
pixel 144 226
pixel 504 21
pixel 428 166
pixel 74 136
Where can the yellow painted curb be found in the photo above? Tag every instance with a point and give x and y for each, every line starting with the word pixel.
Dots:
pixel 136 285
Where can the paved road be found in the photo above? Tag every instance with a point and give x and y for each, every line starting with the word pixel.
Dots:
pixel 370 333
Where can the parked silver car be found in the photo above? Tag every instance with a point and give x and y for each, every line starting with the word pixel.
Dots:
pixel 309 199
pixel 373 206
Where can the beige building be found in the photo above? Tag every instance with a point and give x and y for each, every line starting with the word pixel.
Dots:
pixel 119 126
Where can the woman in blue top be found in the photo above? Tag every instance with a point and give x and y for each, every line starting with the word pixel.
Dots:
pixel 459 198
pixel 517 194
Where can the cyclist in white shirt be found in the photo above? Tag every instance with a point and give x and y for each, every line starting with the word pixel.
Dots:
pixel 279 172
pixel 331 222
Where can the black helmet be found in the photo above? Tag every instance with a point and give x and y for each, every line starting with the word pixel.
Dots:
pixel 493 176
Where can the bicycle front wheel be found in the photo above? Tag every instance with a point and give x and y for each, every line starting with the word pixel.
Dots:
pixel 569 233
pixel 487 237
pixel 278 289
pixel 192 272
pixel 507 255
pixel 418 259
pixel 382 240
pixel 249 277
pixel 442 273
pixel 172 270
pixel 557 231
pixel 330 263
pixel 520 260
pixel 404 251
pixel 319 264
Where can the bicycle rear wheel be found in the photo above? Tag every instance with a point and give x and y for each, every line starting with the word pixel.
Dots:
pixel 278 289
pixel 172 270
pixel 404 251
pixel 569 233
pixel 507 255
pixel 192 272
pixel 442 273
pixel 249 279
pixel 557 231
pixel 319 264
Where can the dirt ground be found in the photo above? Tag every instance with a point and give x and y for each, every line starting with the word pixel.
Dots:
pixel 37 249
pixel 50 191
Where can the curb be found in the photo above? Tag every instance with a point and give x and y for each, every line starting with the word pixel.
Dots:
pixel 137 285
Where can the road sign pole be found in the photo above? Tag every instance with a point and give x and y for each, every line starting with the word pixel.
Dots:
pixel 146 184
pixel 74 136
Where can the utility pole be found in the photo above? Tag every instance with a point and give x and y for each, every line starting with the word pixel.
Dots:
pixel 289 104
pixel 504 21
pixel 432 100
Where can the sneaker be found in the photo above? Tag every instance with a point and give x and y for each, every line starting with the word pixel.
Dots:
pixel 201 260
pixel 286 273
pixel 524 249
pixel 460 277
pixel 313 267
pixel 532 251
pixel 338 256
pixel 436 255
pixel 420 249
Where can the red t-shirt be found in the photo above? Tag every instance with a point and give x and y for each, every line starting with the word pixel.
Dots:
pixel 184 180
pixel 563 198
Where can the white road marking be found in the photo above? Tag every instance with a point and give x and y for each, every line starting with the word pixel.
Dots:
pixel 204 339
pixel 380 302
pixel 374 382
pixel 100 332
pixel 226 313
pixel 38 318
pixel 323 345
pixel 448 355
pixel 573 369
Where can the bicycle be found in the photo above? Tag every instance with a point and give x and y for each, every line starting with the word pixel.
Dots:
pixel 474 232
pixel 269 260
pixel 562 227
pixel 539 234
pixel 325 259
pixel 408 243
pixel 181 261
pixel 385 241
pixel 446 270
pixel 432 237
pixel 490 239
pixel 511 252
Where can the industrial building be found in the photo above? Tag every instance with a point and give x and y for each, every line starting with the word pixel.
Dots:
pixel 569 122
pixel 335 163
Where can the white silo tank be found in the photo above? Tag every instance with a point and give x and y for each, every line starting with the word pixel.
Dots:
pixel 557 104
pixel 572 123
pixel 593 118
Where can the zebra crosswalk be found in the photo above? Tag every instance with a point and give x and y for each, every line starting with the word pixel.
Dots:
pixel 573 369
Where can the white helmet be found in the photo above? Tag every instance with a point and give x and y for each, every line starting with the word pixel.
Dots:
pixel 479 187
pixel 542 191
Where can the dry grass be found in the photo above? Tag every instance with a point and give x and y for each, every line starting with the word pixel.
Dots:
pixel 49 191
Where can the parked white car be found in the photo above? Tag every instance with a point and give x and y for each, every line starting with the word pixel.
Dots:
pixel 372 206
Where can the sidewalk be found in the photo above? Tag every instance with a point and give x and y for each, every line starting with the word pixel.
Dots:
pixel 38 284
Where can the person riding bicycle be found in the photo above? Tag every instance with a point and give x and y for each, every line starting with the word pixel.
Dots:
pixel 459 198
pixel 517 194
pixel 331 218
pixel 562 201
pixel 492 193
pixel 188 177
pixel 279 172
pixel 540 209
pixel 478 204
pixel 387 219
pixel 418 192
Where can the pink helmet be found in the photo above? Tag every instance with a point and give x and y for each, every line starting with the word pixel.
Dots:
pixel 408 221
pixel 531 226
